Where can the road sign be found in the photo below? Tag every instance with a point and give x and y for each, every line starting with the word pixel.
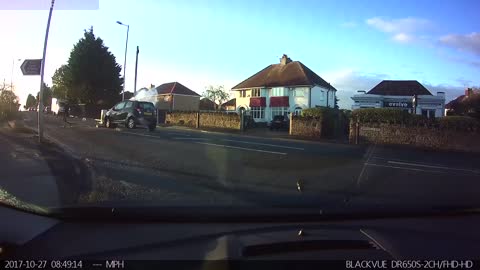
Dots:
pixel 31 66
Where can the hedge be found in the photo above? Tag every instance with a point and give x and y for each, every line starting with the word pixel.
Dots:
pixel 381 115
pixel 319 112
pixel 395 116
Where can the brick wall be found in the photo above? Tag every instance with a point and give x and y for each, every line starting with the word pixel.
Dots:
pixel 418 136
pixel 220 120
pixel 307 127
pixel 188 119
pixel 210 120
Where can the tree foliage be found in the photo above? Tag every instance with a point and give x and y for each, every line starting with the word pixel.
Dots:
pixel 91 76
pixel 61 81
pixel 216 94
pixel 8 103
pixel 47 96
pixel 31 101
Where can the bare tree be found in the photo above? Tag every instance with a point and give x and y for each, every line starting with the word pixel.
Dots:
pixel 216 94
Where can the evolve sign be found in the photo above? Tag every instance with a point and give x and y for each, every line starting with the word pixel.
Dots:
pixel 398 104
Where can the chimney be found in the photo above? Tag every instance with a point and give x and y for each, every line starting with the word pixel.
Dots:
pixel 361 92
pixel 285 60
pixel 152 86
pixel 441 94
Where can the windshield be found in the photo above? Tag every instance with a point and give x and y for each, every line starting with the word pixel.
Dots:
pixel 328 104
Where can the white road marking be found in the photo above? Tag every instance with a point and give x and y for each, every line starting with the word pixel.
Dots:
pixel 266 144
pixel 431 166
pixel 185 138
pixel 139 134
pixel 242 148
pixel 369 156
pixel 178 134
pixel 403 168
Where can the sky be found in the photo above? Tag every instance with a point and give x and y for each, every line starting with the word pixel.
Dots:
pixel 351 44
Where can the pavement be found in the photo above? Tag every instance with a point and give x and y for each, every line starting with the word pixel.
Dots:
pixel 175 166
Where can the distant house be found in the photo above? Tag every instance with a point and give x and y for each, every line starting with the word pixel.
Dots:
pixel 128 95
pixel 457 106
pixel 230 105
pixel 207 105
pixel 408 95
pixel 280 89
pixel 172 96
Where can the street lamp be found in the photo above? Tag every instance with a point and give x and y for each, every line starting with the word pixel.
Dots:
pixel 125 60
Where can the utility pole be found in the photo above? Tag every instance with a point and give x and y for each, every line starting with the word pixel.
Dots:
pixel 136 67
pixel 42 73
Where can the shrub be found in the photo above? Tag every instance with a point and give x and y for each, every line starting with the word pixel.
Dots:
pixel 381 115
pixel 461 123
pixel 322 112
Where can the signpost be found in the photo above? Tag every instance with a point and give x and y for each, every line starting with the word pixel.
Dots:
pixel 31 67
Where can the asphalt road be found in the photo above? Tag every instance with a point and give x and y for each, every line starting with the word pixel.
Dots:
pixel 181 167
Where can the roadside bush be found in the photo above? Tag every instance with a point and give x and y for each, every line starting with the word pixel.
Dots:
pixel 460 123
pixel 381 115
pixel 395 116
pixel 322 112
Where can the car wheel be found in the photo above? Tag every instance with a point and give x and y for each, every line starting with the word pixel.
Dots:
pixel 131 123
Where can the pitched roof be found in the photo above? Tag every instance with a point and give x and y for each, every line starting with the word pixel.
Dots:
pixel 207 104
pixel 399 88
pixel 231 102
pixel 175 88
pixel 288 74
pixel 457 100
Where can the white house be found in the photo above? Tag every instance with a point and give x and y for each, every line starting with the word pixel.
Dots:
pixel 404 95
pixel 282 88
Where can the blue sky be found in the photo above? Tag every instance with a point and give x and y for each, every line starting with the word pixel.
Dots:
pixel 351 44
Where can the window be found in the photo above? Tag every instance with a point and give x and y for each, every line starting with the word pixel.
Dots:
pixel 256 92
pixel 128 104
pixel 278 92
pixel 279 111
pixel 147 106
pixel 298 93
pixel 243 93
pixel 258 112
pixel 119 106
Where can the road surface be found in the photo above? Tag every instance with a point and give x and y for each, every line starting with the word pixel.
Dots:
pixel 181 167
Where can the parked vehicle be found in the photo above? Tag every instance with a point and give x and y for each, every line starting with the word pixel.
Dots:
pixel 279 122
pixel 132 113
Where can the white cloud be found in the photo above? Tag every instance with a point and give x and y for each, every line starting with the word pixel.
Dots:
pixel 469 42
pixel 402 38
pixel 349 81
pixel 401 30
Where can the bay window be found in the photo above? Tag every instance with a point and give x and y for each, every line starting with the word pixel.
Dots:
pixel 257 112
pixel 279 111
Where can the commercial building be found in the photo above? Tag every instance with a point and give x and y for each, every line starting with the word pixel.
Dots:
pixel 411 96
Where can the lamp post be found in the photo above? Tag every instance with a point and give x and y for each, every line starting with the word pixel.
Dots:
pixel 42 73
pixel 125 60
